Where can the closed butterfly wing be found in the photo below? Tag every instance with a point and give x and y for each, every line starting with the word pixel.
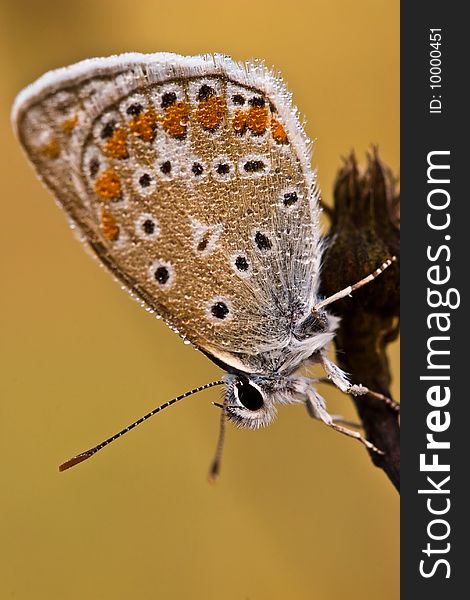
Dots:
pixel 190 179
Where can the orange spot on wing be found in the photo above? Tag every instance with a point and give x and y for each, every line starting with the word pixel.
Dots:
pixel 210 112
pixel 116 146
pixel 50 149
pixel 239 121
pixel 257 119
pixel 109 226
pixel 69 124
pixel 144 125
pixel 278 132
pixel 175 119
pixel 108 185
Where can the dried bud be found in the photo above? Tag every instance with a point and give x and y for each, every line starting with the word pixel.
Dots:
pixel 364 233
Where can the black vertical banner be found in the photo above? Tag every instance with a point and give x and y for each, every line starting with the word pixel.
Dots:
pixel 435 327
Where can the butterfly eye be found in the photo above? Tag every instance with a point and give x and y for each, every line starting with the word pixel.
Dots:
pixel 248 395
pixel 247 405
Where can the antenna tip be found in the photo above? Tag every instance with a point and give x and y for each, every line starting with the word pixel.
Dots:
pixel 71 462
pixel 213 475
pixel 212 478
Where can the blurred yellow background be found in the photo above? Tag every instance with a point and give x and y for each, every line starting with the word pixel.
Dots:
pixel 299 512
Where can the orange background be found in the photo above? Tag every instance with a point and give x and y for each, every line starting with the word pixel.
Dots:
pixel 299 512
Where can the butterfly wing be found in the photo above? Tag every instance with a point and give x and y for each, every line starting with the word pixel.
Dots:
pixel 190 179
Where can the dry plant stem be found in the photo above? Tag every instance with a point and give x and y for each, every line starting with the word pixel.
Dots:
pixel 364 232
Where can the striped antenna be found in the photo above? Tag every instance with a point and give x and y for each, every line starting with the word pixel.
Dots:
pixel 88 453
pixel 352 288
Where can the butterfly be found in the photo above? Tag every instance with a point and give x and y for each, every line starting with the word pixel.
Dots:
pixel 190 180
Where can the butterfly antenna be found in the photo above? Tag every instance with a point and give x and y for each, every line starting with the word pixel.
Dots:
pixel 88 453
pixel 352 288
pixel 214 469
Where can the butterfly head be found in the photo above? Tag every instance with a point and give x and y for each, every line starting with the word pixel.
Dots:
pixel 250 400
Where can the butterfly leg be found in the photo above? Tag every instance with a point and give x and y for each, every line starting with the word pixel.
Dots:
pixel 339 379
pixel 316 408
pixel 356 435
pixel 315 404
pixel 340 420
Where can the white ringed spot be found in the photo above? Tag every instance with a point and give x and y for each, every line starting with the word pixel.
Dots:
pixel 168 95
pixel 133 106
pixel 219 310
pixel 162 274
pixel 165 169
pixel 196 169
pixel 241 264
pixel 262 241
pixel 222 168
pixel 254 165
pixel 92 164
pixel 201 89
pixel 289 198
pixel 144 181
pixel 204 237
pixel 106 125
pixel 147 227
